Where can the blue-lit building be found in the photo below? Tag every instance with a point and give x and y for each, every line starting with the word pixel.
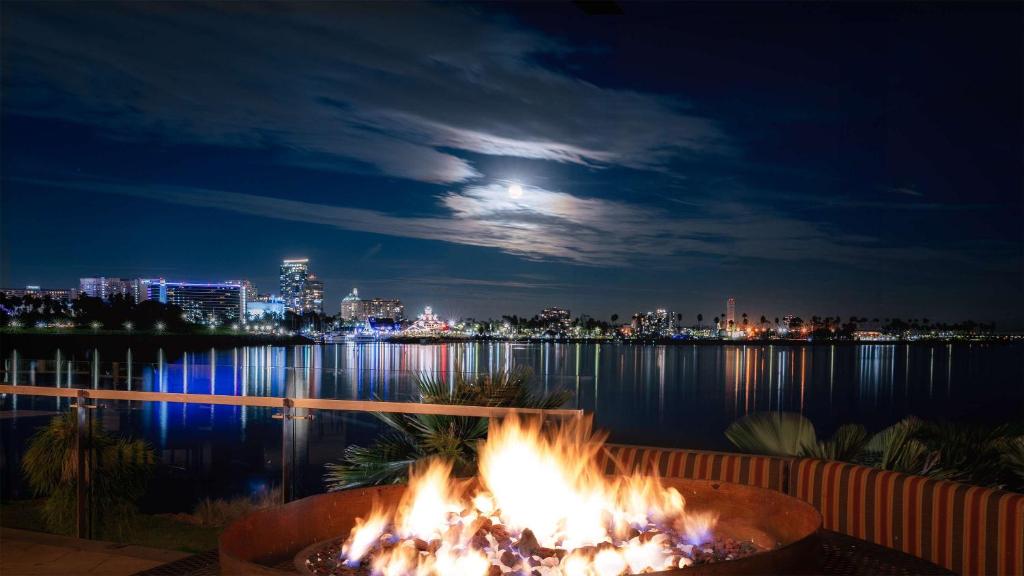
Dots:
pixel 265 307
pixel 200 301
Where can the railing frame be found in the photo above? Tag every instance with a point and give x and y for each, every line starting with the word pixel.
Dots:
pixel 292 409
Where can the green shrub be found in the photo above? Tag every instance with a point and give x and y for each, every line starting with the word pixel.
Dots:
pixel 119 471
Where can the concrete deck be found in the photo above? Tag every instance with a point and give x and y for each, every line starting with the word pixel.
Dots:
pixel 24 553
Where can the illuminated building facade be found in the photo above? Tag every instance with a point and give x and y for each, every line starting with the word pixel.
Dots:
pixel 200 302
pixel 558 318
pixel 657 323
pixel 300 289
pixel 263 307
pixel 356 309
pixel 105 288
pixel 352 307
pixel 63 294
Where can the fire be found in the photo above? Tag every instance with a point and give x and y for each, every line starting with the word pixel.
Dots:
pixel 541 504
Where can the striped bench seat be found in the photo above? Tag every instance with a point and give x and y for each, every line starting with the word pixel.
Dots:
pixel 967 529
pixel 749 469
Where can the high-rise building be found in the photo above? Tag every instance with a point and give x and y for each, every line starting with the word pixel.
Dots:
pixel 199 301
pixel 293 282
pixel 385 308
pixel 248 294
pixel 300 288
pixel 556 318
pixel 356 309
pixel 351 306
pixel 730 314
pixel 657 323
pixel 313 295
pixel 105 288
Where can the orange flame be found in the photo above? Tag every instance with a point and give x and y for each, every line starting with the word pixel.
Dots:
pixel 547 482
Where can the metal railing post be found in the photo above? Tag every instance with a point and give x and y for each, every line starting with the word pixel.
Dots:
pixel 83 438
pixel 287 449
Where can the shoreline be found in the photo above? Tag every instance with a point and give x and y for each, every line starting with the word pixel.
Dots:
pixel 33 342
pixel 695 341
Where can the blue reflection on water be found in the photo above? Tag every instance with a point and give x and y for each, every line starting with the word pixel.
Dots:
pixel 658 395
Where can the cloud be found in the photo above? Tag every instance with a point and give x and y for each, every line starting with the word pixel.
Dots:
pixel 905 191
pixel 548 225
pixel 341 86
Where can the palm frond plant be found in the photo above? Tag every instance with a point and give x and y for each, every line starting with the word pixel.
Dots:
pixel 991 456
pixel 118 473
pixel 845 445
pixel 1012 457
pixel 974 454
pixel 412 438
pixel 900 449
pixel 791 434
pixel 773 433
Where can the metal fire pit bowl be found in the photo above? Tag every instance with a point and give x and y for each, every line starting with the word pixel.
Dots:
pixel 787 527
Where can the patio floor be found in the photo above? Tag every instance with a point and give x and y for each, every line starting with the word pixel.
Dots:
pixel 25 553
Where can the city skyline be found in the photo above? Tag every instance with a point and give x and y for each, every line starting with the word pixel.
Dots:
pixel 605 165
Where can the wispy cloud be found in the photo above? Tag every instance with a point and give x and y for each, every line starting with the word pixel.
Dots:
pixel 905 191
pixel 336 86
pixel 551 225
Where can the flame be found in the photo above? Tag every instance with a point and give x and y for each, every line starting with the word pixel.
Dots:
pixel 365 535
pixel 545 489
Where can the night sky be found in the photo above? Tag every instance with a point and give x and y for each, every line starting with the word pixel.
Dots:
pixel 856 159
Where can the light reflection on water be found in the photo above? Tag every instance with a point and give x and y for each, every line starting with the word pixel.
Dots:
pixel 660 395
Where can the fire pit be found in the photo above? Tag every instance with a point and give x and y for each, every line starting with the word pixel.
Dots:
pixel 539 507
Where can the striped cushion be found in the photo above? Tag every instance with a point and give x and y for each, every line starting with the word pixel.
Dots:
pixel 967 529
pixel 749 469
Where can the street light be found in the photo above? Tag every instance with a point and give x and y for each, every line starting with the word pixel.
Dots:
pixel 128 326
pixel 159 326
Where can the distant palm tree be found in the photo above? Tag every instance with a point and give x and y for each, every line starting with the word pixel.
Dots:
pixel 700 318
pixel 615 318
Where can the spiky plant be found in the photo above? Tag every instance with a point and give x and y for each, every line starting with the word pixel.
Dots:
pixel 773 433
pixel 975 454
pixel 899 448
pixel 791 434
pixel 990 456
pixel 118 473
pixel 411 438
pixel 845 445
pixel 1012 457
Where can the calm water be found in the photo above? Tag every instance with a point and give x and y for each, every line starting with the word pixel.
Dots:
pixel 660 395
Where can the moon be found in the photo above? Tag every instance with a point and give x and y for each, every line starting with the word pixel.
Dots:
pixel 515 191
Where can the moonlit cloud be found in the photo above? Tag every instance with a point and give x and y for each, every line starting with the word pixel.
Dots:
pixel 340 86
pixel 557 226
